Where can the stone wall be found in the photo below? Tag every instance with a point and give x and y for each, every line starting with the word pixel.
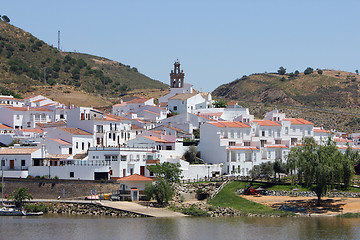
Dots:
pixel 51 189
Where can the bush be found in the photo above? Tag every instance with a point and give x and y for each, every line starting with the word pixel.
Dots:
pixel 309 70
pixel 37 208
pixel 320 72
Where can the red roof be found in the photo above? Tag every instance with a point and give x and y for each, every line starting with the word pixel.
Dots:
pixel 23 109
pixel 62 142
pixel 242 148
pixel 298 121
pixel 32 130
pixel 139 100
pixel 75 131
pixel 276 146
pixel 3 126
pixel 266 123
pixel 321 130
pixel 135 178
pixel 156 139
pixel 234 124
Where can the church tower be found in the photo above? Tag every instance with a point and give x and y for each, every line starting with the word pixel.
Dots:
pixel 177 76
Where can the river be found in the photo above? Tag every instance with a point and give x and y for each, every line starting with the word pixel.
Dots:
pixel 56 227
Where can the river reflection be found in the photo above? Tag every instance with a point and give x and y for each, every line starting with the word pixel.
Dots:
pixel 56 227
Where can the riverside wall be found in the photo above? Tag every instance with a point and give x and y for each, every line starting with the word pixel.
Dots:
pixel 52 188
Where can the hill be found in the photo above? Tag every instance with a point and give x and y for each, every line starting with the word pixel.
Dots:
pixel 330 99
pixel 27 62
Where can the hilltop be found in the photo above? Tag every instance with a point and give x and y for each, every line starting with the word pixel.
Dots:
pixel 327 99
pixel 28 63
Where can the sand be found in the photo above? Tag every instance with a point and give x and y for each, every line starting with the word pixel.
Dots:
pixel 307 205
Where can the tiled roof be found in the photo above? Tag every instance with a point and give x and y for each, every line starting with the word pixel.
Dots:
pixel 218 114
pixel 151 112
pixel 234 124
pixel 58 156
pixel 3 126
pixel 276 146
pixel 139 100
pixel 81 155
pixel 62 142
pixel 321 130
pixel 120 105
pixel 75 131
pixel 135 178
pixel 18 151
pixel 32 130
pixel 149 161
pixel 54 124
pixel 242 148
pixel 133 127
pixel 117 118
pixel 23 109
pixel 266 123
pixel 156 139
pixel 183 96
pixel 298 121
pixel 10 98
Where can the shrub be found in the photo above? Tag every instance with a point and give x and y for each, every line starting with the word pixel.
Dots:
pixel 309 70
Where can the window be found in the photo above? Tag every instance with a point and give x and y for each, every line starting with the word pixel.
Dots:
pixel 109 135
pixel 175 108
pixel 99 129
pixel 263 133
pixel 82 146
pixel 110 126
pixel 231 143
pixel 262 143
pixel 123 157
pixel 168 147
pixel 277 141
pixel 23 163
pixel 286 130
pixel 108 158
pixel 247 144
pixel 72 174
pixel 77 145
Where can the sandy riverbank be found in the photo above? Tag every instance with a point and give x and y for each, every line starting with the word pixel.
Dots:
pixel 330 206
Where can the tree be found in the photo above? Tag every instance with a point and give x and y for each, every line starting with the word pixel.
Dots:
pixel 191 154
pixel 320 72
pixel 221 103
pixel 279 167
pixel 282 70
pixel 5 18
pixel 309 70
pixel 20 195
pixel 321 165
pixel 162 189
pixel 296 72
pixel 357 72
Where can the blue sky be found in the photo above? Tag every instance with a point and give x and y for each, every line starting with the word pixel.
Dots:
pixel 215 41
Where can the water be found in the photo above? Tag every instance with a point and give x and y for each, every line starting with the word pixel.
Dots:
pixel 56 227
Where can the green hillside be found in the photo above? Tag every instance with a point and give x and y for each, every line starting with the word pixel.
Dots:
pixel 27 62
pixel 331 98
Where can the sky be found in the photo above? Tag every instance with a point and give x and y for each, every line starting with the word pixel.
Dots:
pixel 215 41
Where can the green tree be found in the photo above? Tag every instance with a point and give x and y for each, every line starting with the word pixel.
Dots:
pixel 162 189
pixel 296 72
pixel 308 70
pixel 221 103
pixel 191 154
pixel 20 195
pixel 282 70
pixel 321 165
pixel 279 167
pixel 357 72
pixel 320 72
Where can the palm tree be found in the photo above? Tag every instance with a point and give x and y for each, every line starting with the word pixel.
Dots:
pixel 20 195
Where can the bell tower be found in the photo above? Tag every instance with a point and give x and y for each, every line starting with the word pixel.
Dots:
pixel 177 76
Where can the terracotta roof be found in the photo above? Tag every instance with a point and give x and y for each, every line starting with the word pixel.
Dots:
pixel 242 148
pixel 151 112
pixel 183 96
pixel 342 140
pixel 232 103
pixel 23 109
pixel 59 156
pixel 75 131
pixel 3 126
pixel 81 155
pixel 39 100
pixel 276 146
pixel 32 96
pixel 321 130
pixel 234 124
pixel 266 123
pixel 163 104
pixel 218 114
pixel 32 130
pixel 133 127
pixel 62 142
pixel 18 151
pixel 110 118
pixel 115 117
pixel 156 139
pixel 120 105
pixel 139 100
pixel 152 161
pixel 135 178
pixel 54 124
pixel 298 121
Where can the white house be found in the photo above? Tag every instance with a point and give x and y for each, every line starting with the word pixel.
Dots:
pixel 186 102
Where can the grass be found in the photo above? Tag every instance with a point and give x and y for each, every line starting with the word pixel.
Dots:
pixel 349 215
pixel 227 198
pixel 37 208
